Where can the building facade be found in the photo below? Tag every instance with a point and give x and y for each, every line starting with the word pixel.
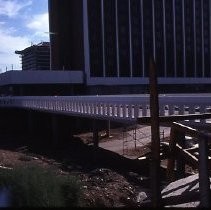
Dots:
pixel 112 41
pixel 35 57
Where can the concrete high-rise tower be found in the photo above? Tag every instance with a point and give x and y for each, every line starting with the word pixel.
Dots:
pixel 113 40
pixel 35 57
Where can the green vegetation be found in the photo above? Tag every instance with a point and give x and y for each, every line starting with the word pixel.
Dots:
pixel 37 187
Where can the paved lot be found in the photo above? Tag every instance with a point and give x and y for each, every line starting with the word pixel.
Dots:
pixel 126 140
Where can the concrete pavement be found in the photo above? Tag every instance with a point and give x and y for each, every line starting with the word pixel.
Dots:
pixel 132 138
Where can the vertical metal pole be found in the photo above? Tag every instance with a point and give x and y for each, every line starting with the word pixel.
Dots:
pixel 155 136
pixel 204 182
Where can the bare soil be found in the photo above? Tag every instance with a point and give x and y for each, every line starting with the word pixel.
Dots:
pixel 101 186
pixel 107 178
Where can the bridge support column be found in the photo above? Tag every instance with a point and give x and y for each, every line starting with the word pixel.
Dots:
pixel 54 130
pixel 30 123
pixel 108 128
pixel 95 133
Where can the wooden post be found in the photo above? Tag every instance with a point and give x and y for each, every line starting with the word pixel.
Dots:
pixel 180 161
pixel 171 160
pixel 204 181
pixel 155 136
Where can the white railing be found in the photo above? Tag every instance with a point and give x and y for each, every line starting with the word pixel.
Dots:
pixel 123 107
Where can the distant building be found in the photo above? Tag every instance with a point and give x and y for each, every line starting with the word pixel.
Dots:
pixel 113 40
pixel 35 57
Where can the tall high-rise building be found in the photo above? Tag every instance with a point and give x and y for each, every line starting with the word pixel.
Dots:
pixel 35 57
pixel 113 40
pixel 66 34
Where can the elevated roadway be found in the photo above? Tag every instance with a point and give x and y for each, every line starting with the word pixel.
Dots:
pixel 123 108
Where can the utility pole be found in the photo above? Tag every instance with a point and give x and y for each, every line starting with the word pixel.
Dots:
pixel 155 136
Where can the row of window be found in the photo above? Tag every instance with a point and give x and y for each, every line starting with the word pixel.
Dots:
pixel 122 39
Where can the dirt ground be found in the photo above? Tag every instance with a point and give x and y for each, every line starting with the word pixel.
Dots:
pixel 103 183
pixel 101 186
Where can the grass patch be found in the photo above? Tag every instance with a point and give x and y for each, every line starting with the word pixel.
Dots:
pixel 33 186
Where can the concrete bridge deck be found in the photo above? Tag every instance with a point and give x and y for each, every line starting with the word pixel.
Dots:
pixel 112 107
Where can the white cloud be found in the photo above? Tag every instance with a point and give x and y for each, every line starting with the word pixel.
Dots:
pixel 39 25
pixel 12 8
pixel 8 45
pixel 11 38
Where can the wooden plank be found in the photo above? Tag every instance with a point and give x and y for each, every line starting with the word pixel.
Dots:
pixel 191 131
pixel 175 200
pixel 204 182
pixel 187 156
pixel 198 125
pixel 180 199
pixel 182 193
pixel 172 118
pixel 184 153
pixel 193 149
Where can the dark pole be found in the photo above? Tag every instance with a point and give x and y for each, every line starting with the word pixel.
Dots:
pixel 155 136
pixel 204 181
pixel 95 133
pixel 180 161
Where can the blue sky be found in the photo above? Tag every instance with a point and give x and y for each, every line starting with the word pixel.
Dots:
pixel 22 23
